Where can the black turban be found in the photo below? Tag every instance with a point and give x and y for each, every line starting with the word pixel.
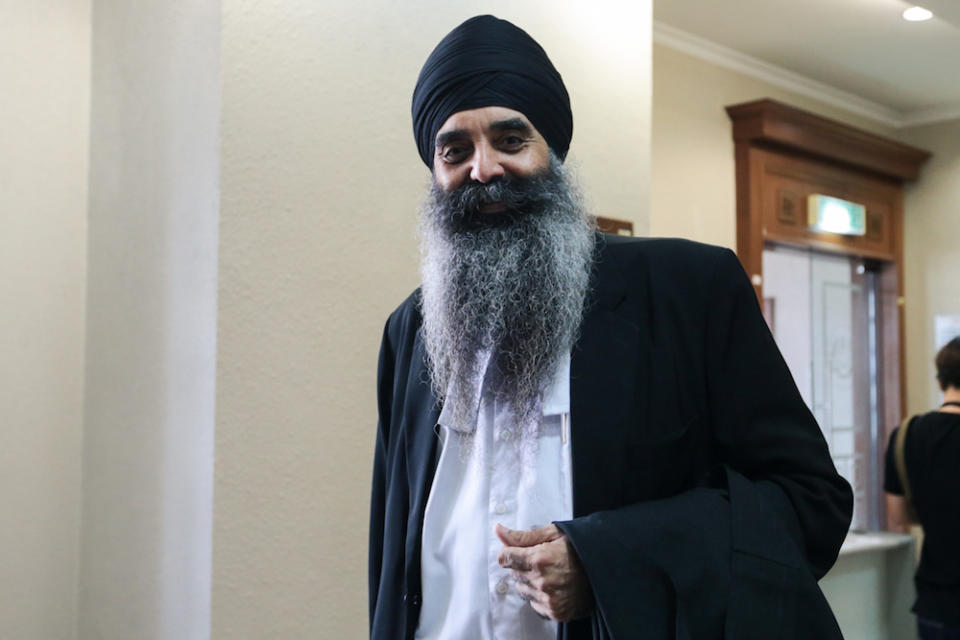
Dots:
pixel 487 62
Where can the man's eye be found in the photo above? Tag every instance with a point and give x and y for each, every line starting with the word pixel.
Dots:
pixel 453 154
pixel 512 141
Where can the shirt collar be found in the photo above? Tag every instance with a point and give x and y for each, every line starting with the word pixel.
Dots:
pixel 458 395
pixel 556 396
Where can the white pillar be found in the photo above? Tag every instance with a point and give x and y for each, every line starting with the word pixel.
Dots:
pixel 151 321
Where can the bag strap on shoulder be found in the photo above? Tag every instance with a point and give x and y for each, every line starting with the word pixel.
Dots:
pixel 899 453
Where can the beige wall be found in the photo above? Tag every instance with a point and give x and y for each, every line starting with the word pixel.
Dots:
pixel 320 187
pixel 693 194
pixel 931 253
pixel 44 111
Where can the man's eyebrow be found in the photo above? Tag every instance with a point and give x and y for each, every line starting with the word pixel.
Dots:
pixel 449 136
pixel 512 124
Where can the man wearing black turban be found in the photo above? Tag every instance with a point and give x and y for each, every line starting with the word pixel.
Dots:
pixel 483 62
pixel 625 390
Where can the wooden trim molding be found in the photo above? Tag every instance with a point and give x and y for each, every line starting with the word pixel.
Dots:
pixel 768 122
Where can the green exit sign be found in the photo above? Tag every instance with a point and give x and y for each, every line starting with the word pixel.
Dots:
pixel 833 215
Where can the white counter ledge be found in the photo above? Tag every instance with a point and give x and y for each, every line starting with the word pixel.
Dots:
pixel 870 588
pixel 859 541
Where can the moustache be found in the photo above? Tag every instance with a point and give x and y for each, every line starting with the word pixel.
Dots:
pixel 467 206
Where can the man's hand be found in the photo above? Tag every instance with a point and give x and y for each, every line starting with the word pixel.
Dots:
pixel 547 570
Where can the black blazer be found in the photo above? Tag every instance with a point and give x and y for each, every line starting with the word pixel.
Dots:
pixel 705 501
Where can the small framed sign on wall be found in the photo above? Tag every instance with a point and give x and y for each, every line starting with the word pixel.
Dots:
pixel 616 227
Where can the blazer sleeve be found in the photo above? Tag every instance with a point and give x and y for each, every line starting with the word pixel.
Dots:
pixel 738 557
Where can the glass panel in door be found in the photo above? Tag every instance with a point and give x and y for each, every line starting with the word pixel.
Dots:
pixel 817 306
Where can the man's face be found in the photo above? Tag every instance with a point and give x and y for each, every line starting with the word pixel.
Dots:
pixel 487 144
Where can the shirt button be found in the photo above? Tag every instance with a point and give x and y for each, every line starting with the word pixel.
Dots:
pixel 500 508
pixel 502 587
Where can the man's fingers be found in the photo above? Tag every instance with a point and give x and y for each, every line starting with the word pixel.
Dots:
pixel 527 592
pixel 537 599
pixel 542 610
pixel 514 558
pixel 528 537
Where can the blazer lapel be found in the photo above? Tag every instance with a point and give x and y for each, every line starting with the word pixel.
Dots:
pixel 421 463
pixel 609 362
pixel 421 435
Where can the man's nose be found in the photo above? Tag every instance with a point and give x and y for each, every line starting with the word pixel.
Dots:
pixel 486 165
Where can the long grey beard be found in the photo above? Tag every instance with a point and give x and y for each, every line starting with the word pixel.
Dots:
pixel 510 285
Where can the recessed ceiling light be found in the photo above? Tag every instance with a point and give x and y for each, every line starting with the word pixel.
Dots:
pixel 917 14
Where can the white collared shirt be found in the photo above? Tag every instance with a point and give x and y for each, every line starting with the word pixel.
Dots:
pixel 466 594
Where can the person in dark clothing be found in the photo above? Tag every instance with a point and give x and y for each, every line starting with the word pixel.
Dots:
pixel 580 436
pixel 932 462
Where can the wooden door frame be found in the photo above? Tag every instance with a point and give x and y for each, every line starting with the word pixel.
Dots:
pixel 764 127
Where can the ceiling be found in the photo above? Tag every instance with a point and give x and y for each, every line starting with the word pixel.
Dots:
pixel 856 54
